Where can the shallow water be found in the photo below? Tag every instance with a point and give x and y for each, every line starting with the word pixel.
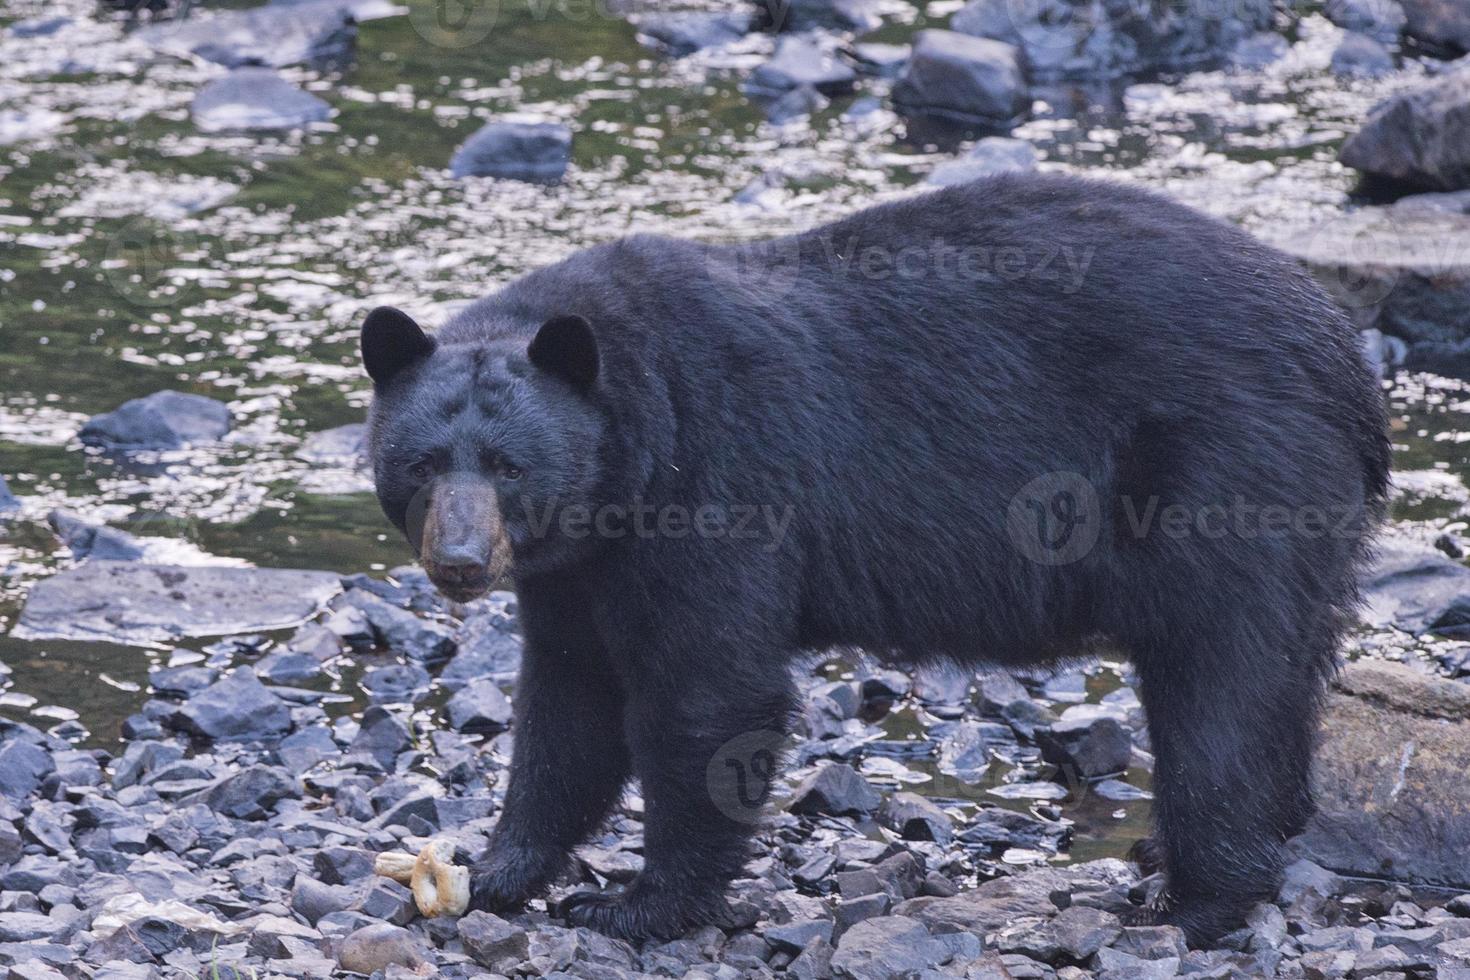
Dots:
pixel 138 254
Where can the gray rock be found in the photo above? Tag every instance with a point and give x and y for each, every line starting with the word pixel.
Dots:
pixel 798 103
pixel 1113 964
pixel 1386 778
pixel 1420 592
pixel 955 77
pixel 1419 138
pixel 480 707
pixel 882 60
pixel 1085 746
pixel 399 630
pixel 252 793
pixel 381 736
pixel 1080 39
pixel 312 899
pixel 379 946
pixel 795 936
pixel 1380 19
pixel 992 905
pixel 388 900
pixel 1152 942
pixel 798 62
pixel 162 420
pixel 397 683
pixel 494 943
pixel 255 99
pixel 321 34
pixel 990 156
pixel 236 708
pixel 858 16
pixel 132 603
pixel 836 788
pixel 1361 56
pixel 1074 935
pixel 24 927
pixel 181 682
pixel 7 499
pixel 38 26
pixel 285 667
pixel 680 34
pixel 343 865
pixel 1441 25
pixel 892 947
pixel 485 651
pixel 1259 50
pixel 913 817
pixel 346 445
pixel 1403 270
pixel 23 767
pixel 520 151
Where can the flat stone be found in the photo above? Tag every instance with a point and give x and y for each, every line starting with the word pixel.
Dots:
pixel 493 942
pixel 1085 747
pixel 681 34
pixel 252 793
pixel 913 817
pixel 480 707
pixel 835 788
pixel 162 420
pixel 399 630
pixel 137 604
pixel 23 767
pixel 956 77
pixel 87 540
pixel 1395 745
pixel 799 61
pixel 538 151
pixel 255 99
pixel 321 34
pixel 236 708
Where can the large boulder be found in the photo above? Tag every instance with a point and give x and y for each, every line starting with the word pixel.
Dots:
pixel 160 421
pixel 1380 19
pixel 126 602
pixel 538 151
pixel 255 98
pixel 1441 25
pixel 1403 270
pixel 319 33
pixel 684 33
pixel 1091 39
pixel 1418 592
pixel 970 80
pixel 1419 138
pixel 1389 778
pixel 238 707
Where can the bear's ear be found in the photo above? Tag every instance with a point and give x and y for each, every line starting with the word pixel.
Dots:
pixel 391 341
pixel 566 347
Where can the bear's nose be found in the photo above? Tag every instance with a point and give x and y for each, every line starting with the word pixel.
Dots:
pixel 459 565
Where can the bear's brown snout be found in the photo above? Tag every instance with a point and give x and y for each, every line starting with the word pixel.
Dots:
pixel 463 548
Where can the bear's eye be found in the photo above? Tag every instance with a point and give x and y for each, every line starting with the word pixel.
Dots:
pixel 419 470
pixel 511 471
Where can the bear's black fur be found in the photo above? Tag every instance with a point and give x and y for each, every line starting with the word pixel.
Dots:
pixel 1002 423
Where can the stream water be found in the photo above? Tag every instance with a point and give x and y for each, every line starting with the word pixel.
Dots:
pixel 137 254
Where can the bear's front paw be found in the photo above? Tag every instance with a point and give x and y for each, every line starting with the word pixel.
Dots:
pixel 633 914
pixel 497 885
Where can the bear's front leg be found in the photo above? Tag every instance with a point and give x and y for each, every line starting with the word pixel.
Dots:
pixel 570 760
pixel 706 730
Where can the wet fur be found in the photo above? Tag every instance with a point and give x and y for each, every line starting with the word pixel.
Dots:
pixel 899 417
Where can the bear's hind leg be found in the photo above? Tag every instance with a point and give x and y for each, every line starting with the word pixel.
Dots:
pixel 570 761
pixel 1232 717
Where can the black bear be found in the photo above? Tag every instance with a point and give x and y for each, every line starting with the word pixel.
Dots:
pixel 1001 423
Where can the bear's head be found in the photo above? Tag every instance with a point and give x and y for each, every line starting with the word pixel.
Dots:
pixel 478 447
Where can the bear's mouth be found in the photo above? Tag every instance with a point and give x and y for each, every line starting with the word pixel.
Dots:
pixel 458 589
